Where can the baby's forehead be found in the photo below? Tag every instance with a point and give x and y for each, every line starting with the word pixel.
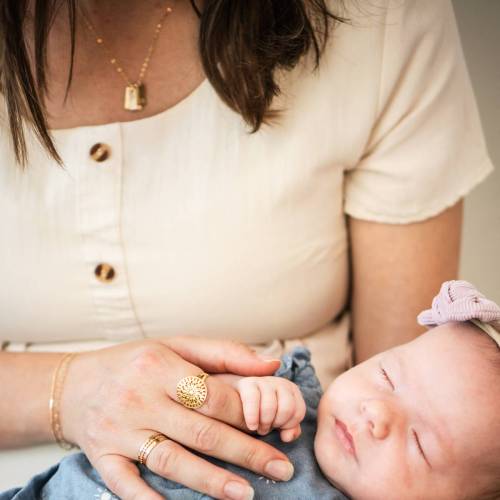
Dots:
pixel 453 376
pixel 453 352
pixel 450 340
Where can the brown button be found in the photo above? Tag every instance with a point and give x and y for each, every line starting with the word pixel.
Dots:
pixel 104 272
pixel 100 152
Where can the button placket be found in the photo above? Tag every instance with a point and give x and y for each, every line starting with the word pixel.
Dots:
pixel 99 184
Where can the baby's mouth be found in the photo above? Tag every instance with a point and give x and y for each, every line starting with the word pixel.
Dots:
pixel 345 437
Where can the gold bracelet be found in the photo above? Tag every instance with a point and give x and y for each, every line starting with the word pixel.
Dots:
pixel 55 399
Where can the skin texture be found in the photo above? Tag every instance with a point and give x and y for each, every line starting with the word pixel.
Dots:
pixel 382 410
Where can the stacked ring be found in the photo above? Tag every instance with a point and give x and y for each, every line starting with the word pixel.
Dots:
pixel 148 446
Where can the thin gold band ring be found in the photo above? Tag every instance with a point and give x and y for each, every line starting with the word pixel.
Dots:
pixel 148 446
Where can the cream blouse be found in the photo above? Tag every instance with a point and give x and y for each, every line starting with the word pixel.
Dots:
pixel 198 227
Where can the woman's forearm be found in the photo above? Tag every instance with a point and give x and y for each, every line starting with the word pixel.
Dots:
pixel 25 382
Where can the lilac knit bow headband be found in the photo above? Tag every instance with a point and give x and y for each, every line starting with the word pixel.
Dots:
pixel 461 301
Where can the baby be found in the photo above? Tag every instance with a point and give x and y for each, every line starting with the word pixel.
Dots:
pixel 422 420
pixel 419 421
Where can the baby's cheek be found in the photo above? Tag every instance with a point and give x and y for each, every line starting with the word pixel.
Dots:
pixel 323 450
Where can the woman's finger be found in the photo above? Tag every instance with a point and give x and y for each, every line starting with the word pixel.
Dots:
pixel 221 356
pixel 122 477
pixel 222 401
pixel 220 440
pixel 172 461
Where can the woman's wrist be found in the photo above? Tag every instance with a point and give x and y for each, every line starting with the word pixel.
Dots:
pixel 56 391
pixel 81 377
pixel 26 381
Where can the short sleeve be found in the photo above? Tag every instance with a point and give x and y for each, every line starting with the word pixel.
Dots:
pixel 426 149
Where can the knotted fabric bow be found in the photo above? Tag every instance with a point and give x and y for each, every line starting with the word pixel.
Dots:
pixel 461 301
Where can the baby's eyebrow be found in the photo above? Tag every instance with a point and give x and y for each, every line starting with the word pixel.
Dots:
pixel 441 453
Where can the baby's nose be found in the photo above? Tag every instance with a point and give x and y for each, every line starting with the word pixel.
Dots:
pixel 379 417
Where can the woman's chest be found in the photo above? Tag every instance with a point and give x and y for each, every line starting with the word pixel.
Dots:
pixel 222 236
pixel 186 224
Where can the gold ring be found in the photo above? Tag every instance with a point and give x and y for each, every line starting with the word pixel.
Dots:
pixel 148 446
pixel 192 391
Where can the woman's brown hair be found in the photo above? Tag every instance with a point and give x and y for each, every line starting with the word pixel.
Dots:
pixel 241 44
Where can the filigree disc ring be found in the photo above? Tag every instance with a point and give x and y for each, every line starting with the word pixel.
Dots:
pixel 192 391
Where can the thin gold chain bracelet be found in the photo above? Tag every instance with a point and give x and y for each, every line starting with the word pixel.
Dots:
pixel 55 399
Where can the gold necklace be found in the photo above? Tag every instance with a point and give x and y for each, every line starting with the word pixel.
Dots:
pixel 135 92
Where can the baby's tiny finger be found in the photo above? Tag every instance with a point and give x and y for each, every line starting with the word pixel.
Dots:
pixel 299 410
pixel 268 407
pixel 288 435
pixel 287 406
pixel 250 399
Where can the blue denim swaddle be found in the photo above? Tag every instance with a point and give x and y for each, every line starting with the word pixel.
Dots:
pixel 75 478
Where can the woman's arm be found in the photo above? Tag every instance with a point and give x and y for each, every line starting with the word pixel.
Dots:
pixel 25 381
pixel 396 270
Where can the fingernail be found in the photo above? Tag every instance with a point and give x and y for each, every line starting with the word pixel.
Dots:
pixel 279 469
pixel 238 491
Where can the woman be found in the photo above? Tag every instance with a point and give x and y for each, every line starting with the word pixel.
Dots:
pixel 170 219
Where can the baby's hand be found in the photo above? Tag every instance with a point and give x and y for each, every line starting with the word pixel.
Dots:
pixel 270 403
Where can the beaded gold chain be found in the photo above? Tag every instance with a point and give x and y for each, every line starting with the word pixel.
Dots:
pixel 135 92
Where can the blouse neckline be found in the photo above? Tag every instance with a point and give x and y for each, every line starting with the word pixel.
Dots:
pixel 140 121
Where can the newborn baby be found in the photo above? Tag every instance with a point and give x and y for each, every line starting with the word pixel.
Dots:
pixel 418 421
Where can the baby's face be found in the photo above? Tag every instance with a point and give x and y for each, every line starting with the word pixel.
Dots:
pixel 414 422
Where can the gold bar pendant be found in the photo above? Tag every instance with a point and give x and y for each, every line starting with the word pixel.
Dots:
pixel 135 97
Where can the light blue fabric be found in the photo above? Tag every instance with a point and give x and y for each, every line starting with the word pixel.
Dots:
pixel 75 478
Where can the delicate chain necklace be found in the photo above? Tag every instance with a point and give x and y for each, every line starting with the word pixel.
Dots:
pixel 135 92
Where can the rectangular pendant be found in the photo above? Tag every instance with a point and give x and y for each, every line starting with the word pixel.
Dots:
pixel 135 97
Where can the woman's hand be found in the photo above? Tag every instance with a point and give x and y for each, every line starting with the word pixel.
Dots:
pixel 115 398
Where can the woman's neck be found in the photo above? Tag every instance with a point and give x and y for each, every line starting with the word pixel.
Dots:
pixel 97 90
pixel 126 19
